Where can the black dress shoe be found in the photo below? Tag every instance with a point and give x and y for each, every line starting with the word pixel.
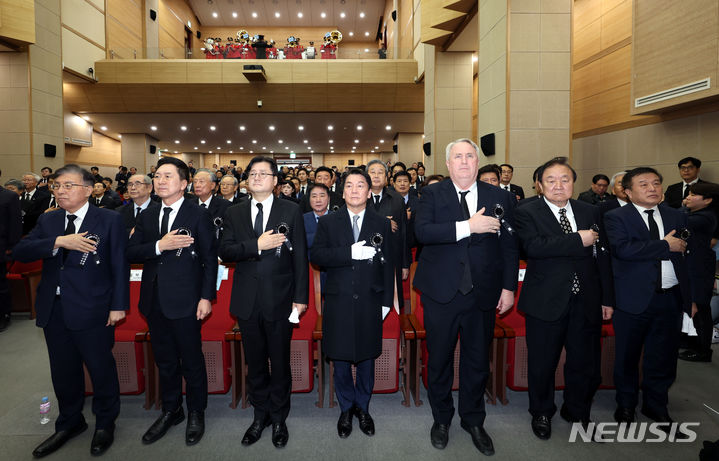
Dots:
pixel 668 423
pixel 542 427
pixel 366 423
pixel 439 435
pixel 481 439
pixel 692 356
pixel 102 440
pixel 279 434
pixel 4 322
pixel 195 427
pixel 57 440
pixel 166 420
pixel 254 432
pixel 344 424
pixel 624 415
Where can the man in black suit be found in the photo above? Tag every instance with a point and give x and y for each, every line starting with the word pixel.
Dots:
pixel 619 198
pixel 411 201
pixel 177 246
pixel 229 186
pixel 10 233
pixel 271 281
pixel 386 202
pixel 303 177
pixel 100 198
pixel 567 291
pixel 505 181
pixel 652 288
pixel 32 201
pixel 139 186
pixel 117 200
pixel 689 168
pixel 323 175
pixel 205 184
pixel 83 293
pixel 414 183
pixel 358 294
pixel 597 193
pixel 467 271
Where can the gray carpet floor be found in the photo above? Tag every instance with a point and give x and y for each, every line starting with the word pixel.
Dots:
pixel 402 433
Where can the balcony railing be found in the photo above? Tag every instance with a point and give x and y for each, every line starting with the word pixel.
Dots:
pixel 350 51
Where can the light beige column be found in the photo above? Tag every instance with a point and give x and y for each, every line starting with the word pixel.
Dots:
pixel 135 151
pixel 409 148
pixel 152 30
pixel 14 116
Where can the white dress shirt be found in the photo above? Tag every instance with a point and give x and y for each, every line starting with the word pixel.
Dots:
pixel 173 214
pixel 570 214
pixel 669 277
pixel 462 230
pixel 621 202
pixel 207 202
pixel 79 218
pixel 142 207
pixel 266 208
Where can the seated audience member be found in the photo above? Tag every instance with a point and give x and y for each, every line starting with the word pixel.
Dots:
pixel 32 201
pixel 121 176
pixel 14 185
pixel 701 222
pixel 598 192
pixel 100 198
pixel 490 174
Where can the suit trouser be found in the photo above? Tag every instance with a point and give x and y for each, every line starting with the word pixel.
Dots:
pixel 657 330
pixel 177 346
pixel 262 340
pixel 444 323
pixel 68 349
pixel 705 327
pixel 357 392
pixel 579 332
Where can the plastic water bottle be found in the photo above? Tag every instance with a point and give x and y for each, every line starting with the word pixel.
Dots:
pixel 44 410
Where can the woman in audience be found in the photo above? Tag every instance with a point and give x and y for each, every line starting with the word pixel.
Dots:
pixel 288 191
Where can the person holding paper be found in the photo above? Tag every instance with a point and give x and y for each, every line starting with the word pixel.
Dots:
pixel 265 237
pixel 352 245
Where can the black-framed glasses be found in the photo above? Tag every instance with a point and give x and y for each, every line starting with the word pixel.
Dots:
pixel 67 186
pixel 260 174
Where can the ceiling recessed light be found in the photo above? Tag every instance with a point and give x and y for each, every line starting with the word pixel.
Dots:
pixel 342 15
pixel 153 127
pixel 242 127
pixel 376 147
pixel 202 141
pixel 299 14
pixel 366 34
pixel 229 141
pixel 254 141
pixel 304 141
pixel 264 148
pixel 331 141
pixel 183 128
pixel 103 128
pixel 277 14
pixel 175 151
pixel 356 141
pixel 230 152
pixel 300 127
pixel 213 128
pixel 210 151
pixel 234 14
pixel 87 119
pixel 323 15
pixel 242 148
pixel 214 14
pixel 280 141
pixel 271 127
pixel 310 148
pixel 351 33
pixel 330 127
pixel 119 136
pixel 177 141
pixel 252 152
pixel 366 50
pixel 287 148
pixel 381 141
pixel 195 147
pixel 361 15
pixel 218 147
pixel 353 148
pixel 254 15
pixel 359 127
pixel 388 127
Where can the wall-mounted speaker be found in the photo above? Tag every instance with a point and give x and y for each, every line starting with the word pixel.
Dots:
pixel 153 149
pixel 153 14
pixel 394 148
pixel 50 150
pixel 394 15
pixel 427 148
pixel 350 162
pixel 199 34
pixel 486 142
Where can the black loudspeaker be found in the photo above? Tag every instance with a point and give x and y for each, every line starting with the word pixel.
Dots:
pixel 394 148
pixel 486 142
pixel 233 162
pixel 427 148
pixel 199 35
pixel 350 162
pixel 394 15
pixel 50 150
pixel 153 149
pixel 153 14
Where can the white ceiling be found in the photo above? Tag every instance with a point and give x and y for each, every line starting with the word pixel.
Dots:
pixel 344 133
pixel 288 10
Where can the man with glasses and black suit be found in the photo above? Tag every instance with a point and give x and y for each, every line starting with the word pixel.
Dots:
pixel 139 186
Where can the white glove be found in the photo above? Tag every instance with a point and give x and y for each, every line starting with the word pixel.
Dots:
pixel 385 312
pixel 361 252
pixel 294 316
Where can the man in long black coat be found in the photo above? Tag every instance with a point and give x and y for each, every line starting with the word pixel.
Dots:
pixel 358 293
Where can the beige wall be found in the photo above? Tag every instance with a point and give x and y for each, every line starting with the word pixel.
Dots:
pixel 125 23
pixel 409 148
pixel 83 33
pixel 18 25
pixel 14 115
pixel 105 153
pixel 135 151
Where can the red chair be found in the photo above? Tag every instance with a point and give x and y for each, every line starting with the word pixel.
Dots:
pixel 608 352
pixel 23 279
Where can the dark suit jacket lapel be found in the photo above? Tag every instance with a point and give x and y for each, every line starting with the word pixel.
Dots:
pixel 246 216
pixel 183 216
pixel 583 220
pixel 345 224
pixel 275 215
pixel 90 221
pixel 454 209
pixel 547 215
pixel 637 222
pixel 366 229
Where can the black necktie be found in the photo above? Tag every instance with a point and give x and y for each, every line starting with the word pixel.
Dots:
pixel 258 220
pixel 654 234
pixel 567 228
pixel 376 202
pixel 203 205
pixel 463 202
pixel 97 201
pixel 52 203
pixel 165 220
pixel 137 211
pixel 686 191
pixel 69 230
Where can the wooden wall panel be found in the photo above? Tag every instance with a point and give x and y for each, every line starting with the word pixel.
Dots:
pixel 103 152
pixel 124 23
pixel 18 22
pixel 587 41
pixel 616 24
pixel 405 19
pixel 615 68
pixel 83 18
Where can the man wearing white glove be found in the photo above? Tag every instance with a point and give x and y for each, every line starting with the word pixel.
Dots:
pixel 352 245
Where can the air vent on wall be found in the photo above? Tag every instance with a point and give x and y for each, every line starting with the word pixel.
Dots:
pixel 672 93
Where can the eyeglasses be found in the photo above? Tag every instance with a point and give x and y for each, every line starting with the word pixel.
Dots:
pixel 67 186
pixel 687 167
pixel 260 174
pixel 130 185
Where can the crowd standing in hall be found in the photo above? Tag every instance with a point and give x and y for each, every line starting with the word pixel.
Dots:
pixel 629 250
